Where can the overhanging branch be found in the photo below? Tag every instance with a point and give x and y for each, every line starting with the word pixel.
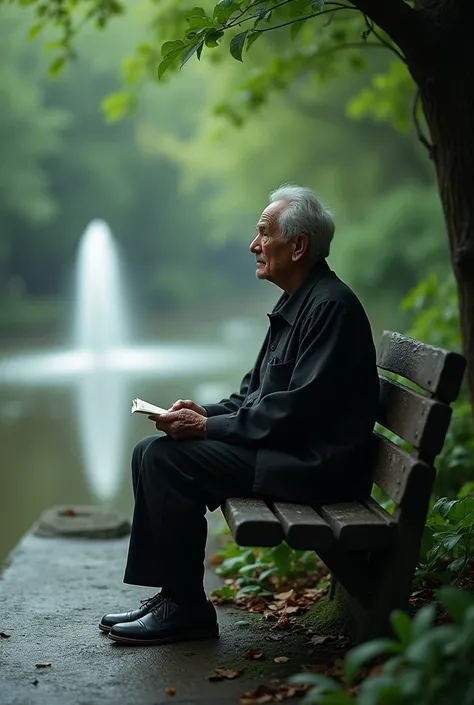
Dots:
pixel 394 17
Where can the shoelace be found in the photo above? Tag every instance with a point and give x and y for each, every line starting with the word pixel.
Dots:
pixel 152 601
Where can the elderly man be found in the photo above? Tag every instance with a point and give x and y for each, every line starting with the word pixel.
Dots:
pixel 296 431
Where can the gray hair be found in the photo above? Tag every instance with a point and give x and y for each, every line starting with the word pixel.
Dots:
pixel 305 214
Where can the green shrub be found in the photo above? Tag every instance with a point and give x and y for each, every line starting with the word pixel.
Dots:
pixel 427 664
pixel 449 535
pixel 434 310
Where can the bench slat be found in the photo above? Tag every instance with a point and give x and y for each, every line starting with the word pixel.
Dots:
pixel 303 528
pixel 252 523
pixel 419 420
pixel 356 527
pixel 433 369
pixel 403 477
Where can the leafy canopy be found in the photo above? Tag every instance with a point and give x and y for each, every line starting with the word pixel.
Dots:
pixel 317 38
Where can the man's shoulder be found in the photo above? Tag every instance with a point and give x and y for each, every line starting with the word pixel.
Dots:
pixel 331 288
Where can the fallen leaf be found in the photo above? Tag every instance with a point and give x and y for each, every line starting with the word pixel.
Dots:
pixel 281 659
pixel 272 693
pixel 69 512
pixel 253 654
pixel 4 636
pixel 316 640
pixel 170 691
pixel 35 682
pixel 222 673
pixel 285 595
pixel 42 665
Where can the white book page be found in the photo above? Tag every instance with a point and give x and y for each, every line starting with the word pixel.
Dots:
pixel 143 407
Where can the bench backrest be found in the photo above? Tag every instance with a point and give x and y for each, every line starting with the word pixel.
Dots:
pixel 420 418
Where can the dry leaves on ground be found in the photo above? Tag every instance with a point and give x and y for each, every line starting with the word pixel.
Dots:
pixel 170 691
pixel 3 635
pixel 272 693
pixel 253 654
pixel 42 665
pixel 281 659
pixel 221 674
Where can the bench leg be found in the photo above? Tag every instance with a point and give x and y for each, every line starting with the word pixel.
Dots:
pixel 393 579
pixel 332 587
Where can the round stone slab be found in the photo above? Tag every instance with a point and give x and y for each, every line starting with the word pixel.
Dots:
pixel 81 521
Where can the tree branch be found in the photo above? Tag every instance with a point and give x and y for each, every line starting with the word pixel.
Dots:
pixel 419 132
pixel 372 30
pixel 394 17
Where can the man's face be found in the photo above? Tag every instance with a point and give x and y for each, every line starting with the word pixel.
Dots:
pixel 272 252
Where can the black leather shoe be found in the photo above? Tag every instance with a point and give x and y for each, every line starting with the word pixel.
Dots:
pixel 110 620
pixel 168 622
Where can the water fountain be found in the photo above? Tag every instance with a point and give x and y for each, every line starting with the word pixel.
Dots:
pixel 102 363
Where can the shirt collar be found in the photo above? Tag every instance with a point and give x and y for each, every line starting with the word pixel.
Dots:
pixel 289 305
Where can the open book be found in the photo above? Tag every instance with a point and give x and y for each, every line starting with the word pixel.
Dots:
pixel 143 407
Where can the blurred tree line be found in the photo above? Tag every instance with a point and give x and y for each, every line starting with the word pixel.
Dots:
pixel 181 184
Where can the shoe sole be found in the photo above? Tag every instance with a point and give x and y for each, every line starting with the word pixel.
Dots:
pixel 104 628
pixel 190 636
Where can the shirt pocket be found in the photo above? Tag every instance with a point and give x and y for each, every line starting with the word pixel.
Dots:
pixel 277 377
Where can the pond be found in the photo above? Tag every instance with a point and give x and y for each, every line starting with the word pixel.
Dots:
pixel 66 432
pixel 68 439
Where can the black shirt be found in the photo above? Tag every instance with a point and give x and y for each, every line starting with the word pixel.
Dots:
pixel 309 404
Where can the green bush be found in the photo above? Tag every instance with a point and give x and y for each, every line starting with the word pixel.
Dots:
pixel 434 311
pixel 427 665
pixel 449 535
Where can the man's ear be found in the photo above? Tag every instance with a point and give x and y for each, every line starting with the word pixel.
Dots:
pixel 300 247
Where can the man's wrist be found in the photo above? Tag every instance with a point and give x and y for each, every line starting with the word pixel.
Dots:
pixel 216 427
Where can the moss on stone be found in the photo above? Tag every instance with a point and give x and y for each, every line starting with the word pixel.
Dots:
pixel 328 617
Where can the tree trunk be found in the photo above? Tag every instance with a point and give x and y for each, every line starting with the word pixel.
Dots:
pixel 448 102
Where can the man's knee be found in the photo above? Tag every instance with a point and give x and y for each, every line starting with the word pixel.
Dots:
pixel 139 451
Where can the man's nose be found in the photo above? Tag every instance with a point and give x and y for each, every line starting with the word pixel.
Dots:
pixel 255 245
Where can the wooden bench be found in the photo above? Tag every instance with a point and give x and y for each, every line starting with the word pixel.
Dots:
pixel 372 554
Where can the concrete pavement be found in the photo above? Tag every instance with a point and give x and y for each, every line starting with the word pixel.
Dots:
pixel 52 595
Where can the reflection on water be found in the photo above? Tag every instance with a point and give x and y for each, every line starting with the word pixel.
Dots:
pixel 66 432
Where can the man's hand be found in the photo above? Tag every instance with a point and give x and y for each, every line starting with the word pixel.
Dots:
pixel 181 424
pixel 188 404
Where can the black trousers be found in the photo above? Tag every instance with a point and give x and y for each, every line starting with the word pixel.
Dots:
pixel 173 483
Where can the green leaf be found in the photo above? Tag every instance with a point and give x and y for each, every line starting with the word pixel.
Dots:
pixel 296 28
pixel 57 66
pixel 281 556
pixel 253 590
pixel 225 592
pixel 168 47
pixel 199 51
pixel 116 105
pixel 212 37
pixel 192 50
pixel 456 565
pixel 267 573
pixel 384 688
pixel 423 621
pixel 443 506
pixel 237 45
pixel 451 541
pixel 35 30
pixel 224 9
pixel 402 626
pixel 252 37
pixel 167 61
pixel 456 602
pixel 358 656
pixel 197 12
